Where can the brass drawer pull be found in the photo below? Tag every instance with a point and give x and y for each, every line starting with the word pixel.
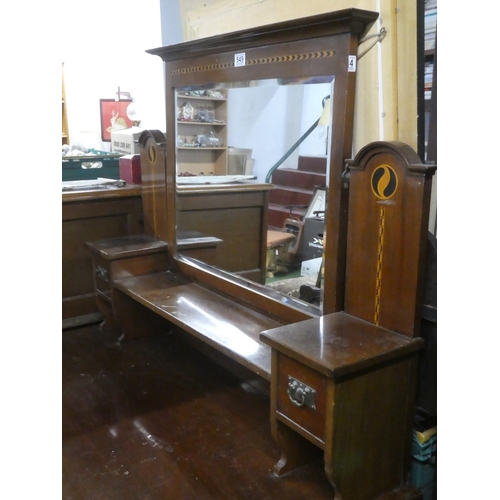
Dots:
pixel 300 394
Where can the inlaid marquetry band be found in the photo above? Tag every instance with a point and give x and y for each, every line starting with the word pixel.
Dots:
pixel 380 253
pixel 152 156
pixel 257 61
pixel 384 184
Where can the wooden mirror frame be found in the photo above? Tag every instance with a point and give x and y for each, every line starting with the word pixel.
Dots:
pixel 320 45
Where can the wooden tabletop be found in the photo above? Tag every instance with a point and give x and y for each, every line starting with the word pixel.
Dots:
pixel 101 193
pixel 339 344
pixel 229 327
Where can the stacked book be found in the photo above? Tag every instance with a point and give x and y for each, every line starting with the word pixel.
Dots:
pixel 430 20
pixel 428 74
pixel 430 23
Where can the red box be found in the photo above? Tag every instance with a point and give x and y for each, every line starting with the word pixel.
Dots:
pixel 130 169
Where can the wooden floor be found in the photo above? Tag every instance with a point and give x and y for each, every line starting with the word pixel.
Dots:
pixel 155 419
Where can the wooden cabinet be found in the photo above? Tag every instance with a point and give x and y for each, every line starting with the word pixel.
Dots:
pixel 202 132
pixel 345 383
pixel 122 257
pixel 65 131
pixel 90 216
pixel 342 384
pixel 236 215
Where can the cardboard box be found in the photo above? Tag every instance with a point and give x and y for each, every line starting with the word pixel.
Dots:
pixel 123 141
pixel 310 267
pixel 130 169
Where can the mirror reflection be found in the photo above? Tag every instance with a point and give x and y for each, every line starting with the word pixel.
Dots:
pixel 251 163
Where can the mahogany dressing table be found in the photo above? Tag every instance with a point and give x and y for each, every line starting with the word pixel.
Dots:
pixel 341 377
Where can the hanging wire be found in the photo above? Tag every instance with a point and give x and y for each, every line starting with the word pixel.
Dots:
pixel 379 37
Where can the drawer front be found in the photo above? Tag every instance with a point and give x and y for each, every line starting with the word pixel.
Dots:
pixel 302 396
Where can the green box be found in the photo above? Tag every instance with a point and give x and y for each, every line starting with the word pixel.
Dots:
pixel 422 476
pixel 73 166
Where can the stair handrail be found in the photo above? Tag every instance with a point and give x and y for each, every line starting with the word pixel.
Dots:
pixel 295 146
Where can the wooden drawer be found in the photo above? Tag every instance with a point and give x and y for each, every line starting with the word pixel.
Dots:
pixel 305 419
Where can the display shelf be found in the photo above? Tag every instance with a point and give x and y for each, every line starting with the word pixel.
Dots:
pixel 201 133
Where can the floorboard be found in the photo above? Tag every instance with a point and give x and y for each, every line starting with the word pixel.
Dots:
pixel 155 419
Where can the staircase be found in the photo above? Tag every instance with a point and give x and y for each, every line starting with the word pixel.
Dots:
pixel 294 189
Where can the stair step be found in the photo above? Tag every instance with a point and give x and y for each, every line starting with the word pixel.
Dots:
pixel 284 195
pixel 295 187
pixel 312 163
pixel 298 178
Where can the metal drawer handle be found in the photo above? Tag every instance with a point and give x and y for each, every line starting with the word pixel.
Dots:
pixel 300 394
pixel 297 395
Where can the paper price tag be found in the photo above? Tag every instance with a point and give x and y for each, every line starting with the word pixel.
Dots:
pixel 239 59
pixel 351 66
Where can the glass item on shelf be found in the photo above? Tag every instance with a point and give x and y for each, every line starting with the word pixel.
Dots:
pixel 201 140
pixel 214 94
pixel 209 114
pixel 201 116
pixel 190 141
pixel 213 140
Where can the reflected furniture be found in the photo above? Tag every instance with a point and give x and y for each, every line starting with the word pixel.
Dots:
pixel 202 133
pixel 278 243
pixel 234 214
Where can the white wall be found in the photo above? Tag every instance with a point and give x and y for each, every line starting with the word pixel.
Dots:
pixel 273 119
pixel 103 48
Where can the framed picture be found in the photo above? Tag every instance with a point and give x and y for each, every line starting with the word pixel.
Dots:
pixel 114 117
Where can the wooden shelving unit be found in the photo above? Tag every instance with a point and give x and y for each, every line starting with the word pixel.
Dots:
pixel 65 131
pixel 202 133
pixel 427 72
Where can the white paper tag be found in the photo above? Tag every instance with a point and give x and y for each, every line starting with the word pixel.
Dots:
pixel 239 59
pixel 351 66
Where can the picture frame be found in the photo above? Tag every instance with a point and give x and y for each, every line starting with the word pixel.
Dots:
pixel 113 116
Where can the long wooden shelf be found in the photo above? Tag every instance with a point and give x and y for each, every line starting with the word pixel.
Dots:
pixel 223 324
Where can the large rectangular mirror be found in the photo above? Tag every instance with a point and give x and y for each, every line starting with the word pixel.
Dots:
pixel 229 138
pixel 236 104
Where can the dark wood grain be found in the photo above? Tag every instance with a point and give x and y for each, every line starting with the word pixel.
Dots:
pixel 122 257
pixel 90 216
pixel 387 238
pixel 339 344
pixel 235 214
pixel 296 49
pixel 154 419
pixel 227 326
pixel 360 365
